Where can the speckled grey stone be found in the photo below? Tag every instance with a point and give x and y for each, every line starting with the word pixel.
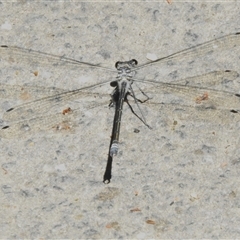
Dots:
pixel 179 180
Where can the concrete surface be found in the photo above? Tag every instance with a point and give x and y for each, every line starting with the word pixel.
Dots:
pixel 179 180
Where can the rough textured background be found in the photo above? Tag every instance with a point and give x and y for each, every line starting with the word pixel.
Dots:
pixel 177 180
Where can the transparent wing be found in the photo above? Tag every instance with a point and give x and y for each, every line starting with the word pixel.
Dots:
pixel 190 94
pixel 156 113
pixel 17 63
pixel 57 111
pixel 14 53
pixel 41 106
pixel 211 79
pixel 65 120
pixel 45 107
pixel 216 45
pixel 27 92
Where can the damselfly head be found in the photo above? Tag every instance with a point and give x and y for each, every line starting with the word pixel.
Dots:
pixel 127 64
pixel 126 69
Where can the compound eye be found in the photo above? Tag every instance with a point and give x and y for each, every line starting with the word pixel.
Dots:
pixel 134 62
pixel 116 64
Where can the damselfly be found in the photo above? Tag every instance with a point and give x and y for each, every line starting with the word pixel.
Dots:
pixel 195 92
